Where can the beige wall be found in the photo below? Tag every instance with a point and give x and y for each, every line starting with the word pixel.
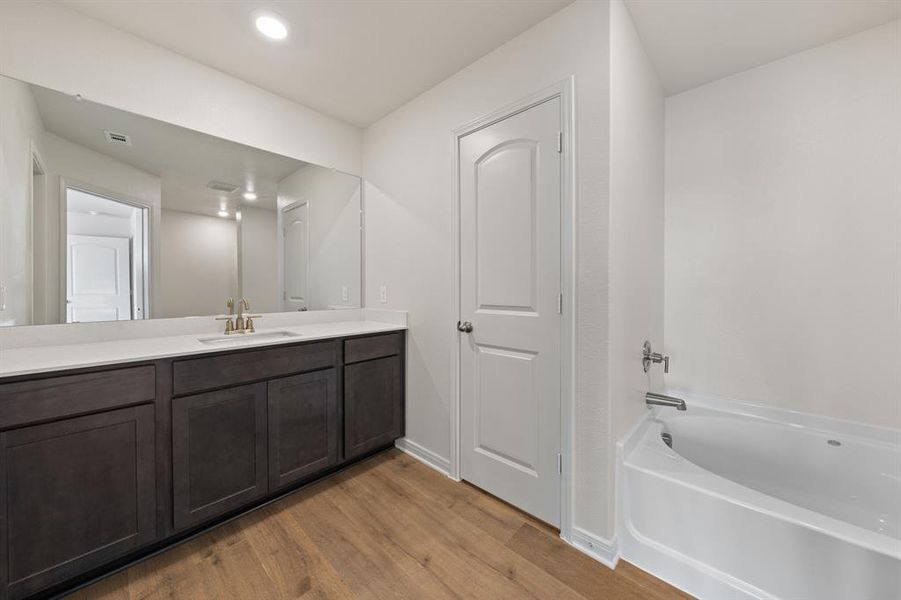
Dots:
pixel 258 259
pixel 200 264
pixel 783 232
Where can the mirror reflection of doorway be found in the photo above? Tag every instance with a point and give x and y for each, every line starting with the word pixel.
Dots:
pixel 297 249
pixel 106 258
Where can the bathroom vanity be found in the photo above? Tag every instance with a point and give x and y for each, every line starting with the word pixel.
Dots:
pixel 105 464
pixel 133 413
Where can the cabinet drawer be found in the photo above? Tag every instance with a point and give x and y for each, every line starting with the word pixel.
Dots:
pixel 199 374
pixel 49 398
pixel 378 346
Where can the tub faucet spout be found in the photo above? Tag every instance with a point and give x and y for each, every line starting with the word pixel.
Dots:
pixel 652 399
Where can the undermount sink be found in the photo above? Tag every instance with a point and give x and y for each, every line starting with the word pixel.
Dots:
pixel 238 339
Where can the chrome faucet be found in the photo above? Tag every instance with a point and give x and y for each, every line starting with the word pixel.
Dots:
pixel 652 399
pixel 648 356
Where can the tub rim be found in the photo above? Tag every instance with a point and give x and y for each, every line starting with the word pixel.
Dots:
pixel 643 449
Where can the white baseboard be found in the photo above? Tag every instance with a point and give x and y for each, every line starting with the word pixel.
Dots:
pixel 424 455
pixel 598 548
pixel 602 550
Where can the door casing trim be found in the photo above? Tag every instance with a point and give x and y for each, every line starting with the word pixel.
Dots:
pixel 565 91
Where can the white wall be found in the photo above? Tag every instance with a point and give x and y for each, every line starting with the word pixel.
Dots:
pixel 200 265
pixel 47 44
pixel 333 205
pixel 783 232
pixel 636 222
pixel 407 164
pixel 20 125
pixel 258 259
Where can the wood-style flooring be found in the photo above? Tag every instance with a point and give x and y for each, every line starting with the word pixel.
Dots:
pixel 389 527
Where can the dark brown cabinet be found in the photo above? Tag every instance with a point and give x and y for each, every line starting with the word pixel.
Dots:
pixel 303 426
pixel 373 404
pixel 76 494
pixel 218 452
pixel 101 466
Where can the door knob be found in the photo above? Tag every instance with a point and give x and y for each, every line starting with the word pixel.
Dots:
pixel 465 326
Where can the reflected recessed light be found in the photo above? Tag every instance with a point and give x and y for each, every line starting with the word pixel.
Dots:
pixel 223 213
pixel 93 212
pixel 250 196
pixel 270 25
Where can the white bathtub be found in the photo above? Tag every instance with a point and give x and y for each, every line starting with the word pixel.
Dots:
pixel 761 503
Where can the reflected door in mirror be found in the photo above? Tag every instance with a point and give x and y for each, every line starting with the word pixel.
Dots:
pixel 99 279
pixel 297 246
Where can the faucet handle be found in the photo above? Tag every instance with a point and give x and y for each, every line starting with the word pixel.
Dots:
pixel 229 323
pixel 648 356
pixel 230 304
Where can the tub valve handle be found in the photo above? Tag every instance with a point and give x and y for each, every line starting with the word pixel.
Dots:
pixel 648 356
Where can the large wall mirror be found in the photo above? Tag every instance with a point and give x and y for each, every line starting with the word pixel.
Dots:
pixel 108 215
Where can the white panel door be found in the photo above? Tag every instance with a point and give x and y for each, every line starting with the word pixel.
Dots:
pixel 98 279
pixel 510 281
pixel 297 248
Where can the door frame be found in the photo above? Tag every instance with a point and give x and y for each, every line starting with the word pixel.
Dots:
pixel 564 90
pixel 37 235
pixel 151 245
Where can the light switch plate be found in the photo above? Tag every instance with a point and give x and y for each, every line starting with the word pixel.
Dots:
pixel 383 294
pixel 343 293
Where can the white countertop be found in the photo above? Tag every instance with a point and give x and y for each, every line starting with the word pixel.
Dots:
pixel 43 358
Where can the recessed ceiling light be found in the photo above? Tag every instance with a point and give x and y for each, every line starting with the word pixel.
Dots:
pixel 270 25
pixel 223 213
pixel 250 196
pixel 93 212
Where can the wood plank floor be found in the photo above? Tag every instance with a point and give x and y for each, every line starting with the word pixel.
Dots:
pixel 389 527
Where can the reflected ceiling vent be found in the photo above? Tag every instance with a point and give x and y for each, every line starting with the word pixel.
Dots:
pixel 120 139
pixel 221 186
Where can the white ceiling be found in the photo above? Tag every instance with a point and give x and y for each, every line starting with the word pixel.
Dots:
pixel 82 202
pixel 356 60
pixel 692 42
pixel 184 160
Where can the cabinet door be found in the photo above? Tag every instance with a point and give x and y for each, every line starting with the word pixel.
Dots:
pixel 303 426
pixel 76 494
pixel 218 452
pixel 373 404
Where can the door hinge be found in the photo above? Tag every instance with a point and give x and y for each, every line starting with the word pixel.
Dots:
pixel 559 463
pixel 560 303
pixel 560 142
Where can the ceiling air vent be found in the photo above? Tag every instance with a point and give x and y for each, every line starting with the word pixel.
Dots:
pixel 117 138
pixel 221 186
